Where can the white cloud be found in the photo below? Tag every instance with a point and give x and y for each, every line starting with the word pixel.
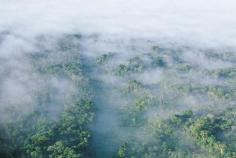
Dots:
pixel 199 22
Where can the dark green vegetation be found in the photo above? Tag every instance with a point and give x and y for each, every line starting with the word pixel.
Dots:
pixel 186 135
pixel 152 103
pixel 60 132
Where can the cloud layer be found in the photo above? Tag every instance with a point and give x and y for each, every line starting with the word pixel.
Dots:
pixel 197 22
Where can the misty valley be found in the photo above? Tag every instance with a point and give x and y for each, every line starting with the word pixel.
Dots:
pixel 90 96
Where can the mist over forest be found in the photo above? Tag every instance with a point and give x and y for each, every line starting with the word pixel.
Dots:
pixel 117 79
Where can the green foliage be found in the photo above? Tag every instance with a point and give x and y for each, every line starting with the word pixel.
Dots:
pixel 122 69
pixel 133 85
pixel 182 118
pixel 219 92
pixel 104 58
pixel 225 73
pixel 40 134
pixel 147 122
pixel 134 65
pixel 157 49
pixel 122 151
pixel 69 42
pixel 207 129
pixel 5 145
pixel 68 137
pixel 184 67
pixel 64 69
pixel 73 124
pixel 215 91
pixel 166 137
pixel 159 61
pixel 59 150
